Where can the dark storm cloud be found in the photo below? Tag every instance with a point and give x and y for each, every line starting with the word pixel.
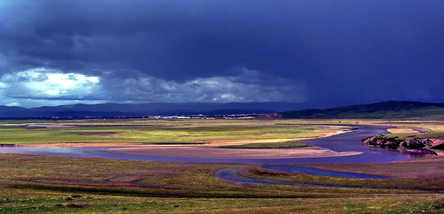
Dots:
pixel 320 52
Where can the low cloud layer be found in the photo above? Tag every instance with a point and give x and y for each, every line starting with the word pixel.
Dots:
pixel 35 86
pixel 321 53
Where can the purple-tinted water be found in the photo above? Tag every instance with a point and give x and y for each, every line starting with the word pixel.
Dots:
pixel 347 142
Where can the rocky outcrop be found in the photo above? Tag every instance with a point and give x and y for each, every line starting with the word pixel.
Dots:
pixel 437 144
pixel 413 145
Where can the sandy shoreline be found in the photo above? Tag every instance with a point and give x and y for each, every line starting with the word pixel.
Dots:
pixel 225 153
pixel 203 151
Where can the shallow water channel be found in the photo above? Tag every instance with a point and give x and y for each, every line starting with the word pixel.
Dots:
pixel 346 142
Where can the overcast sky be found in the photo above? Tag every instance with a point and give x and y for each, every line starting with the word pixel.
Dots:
pixel 317 52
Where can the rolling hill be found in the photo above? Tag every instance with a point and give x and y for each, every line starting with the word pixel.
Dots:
pixel 381 110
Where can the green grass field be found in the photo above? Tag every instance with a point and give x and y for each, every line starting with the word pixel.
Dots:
pixel 34 184
pixel 156 132
pixel 437 135
pixel 39 184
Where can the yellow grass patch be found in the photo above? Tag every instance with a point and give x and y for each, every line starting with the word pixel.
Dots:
pixel 402 130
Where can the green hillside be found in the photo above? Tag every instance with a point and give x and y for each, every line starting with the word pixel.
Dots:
pixel 390 109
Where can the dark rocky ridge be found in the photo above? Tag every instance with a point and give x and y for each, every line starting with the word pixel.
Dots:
pixel 412 144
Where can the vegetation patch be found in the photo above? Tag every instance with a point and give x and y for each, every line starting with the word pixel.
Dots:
pixel 97 133
pixel 158 132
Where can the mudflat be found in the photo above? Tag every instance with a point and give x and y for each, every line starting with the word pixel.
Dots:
pixel 224 153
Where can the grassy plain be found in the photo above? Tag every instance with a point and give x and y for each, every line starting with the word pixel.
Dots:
pixel 148 131
pixel 35 184
pixel 38 184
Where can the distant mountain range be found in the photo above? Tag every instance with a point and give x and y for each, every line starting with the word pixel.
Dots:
pixel 110 110
pixel 382 110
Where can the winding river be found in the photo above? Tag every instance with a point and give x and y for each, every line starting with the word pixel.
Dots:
pixel 346 142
